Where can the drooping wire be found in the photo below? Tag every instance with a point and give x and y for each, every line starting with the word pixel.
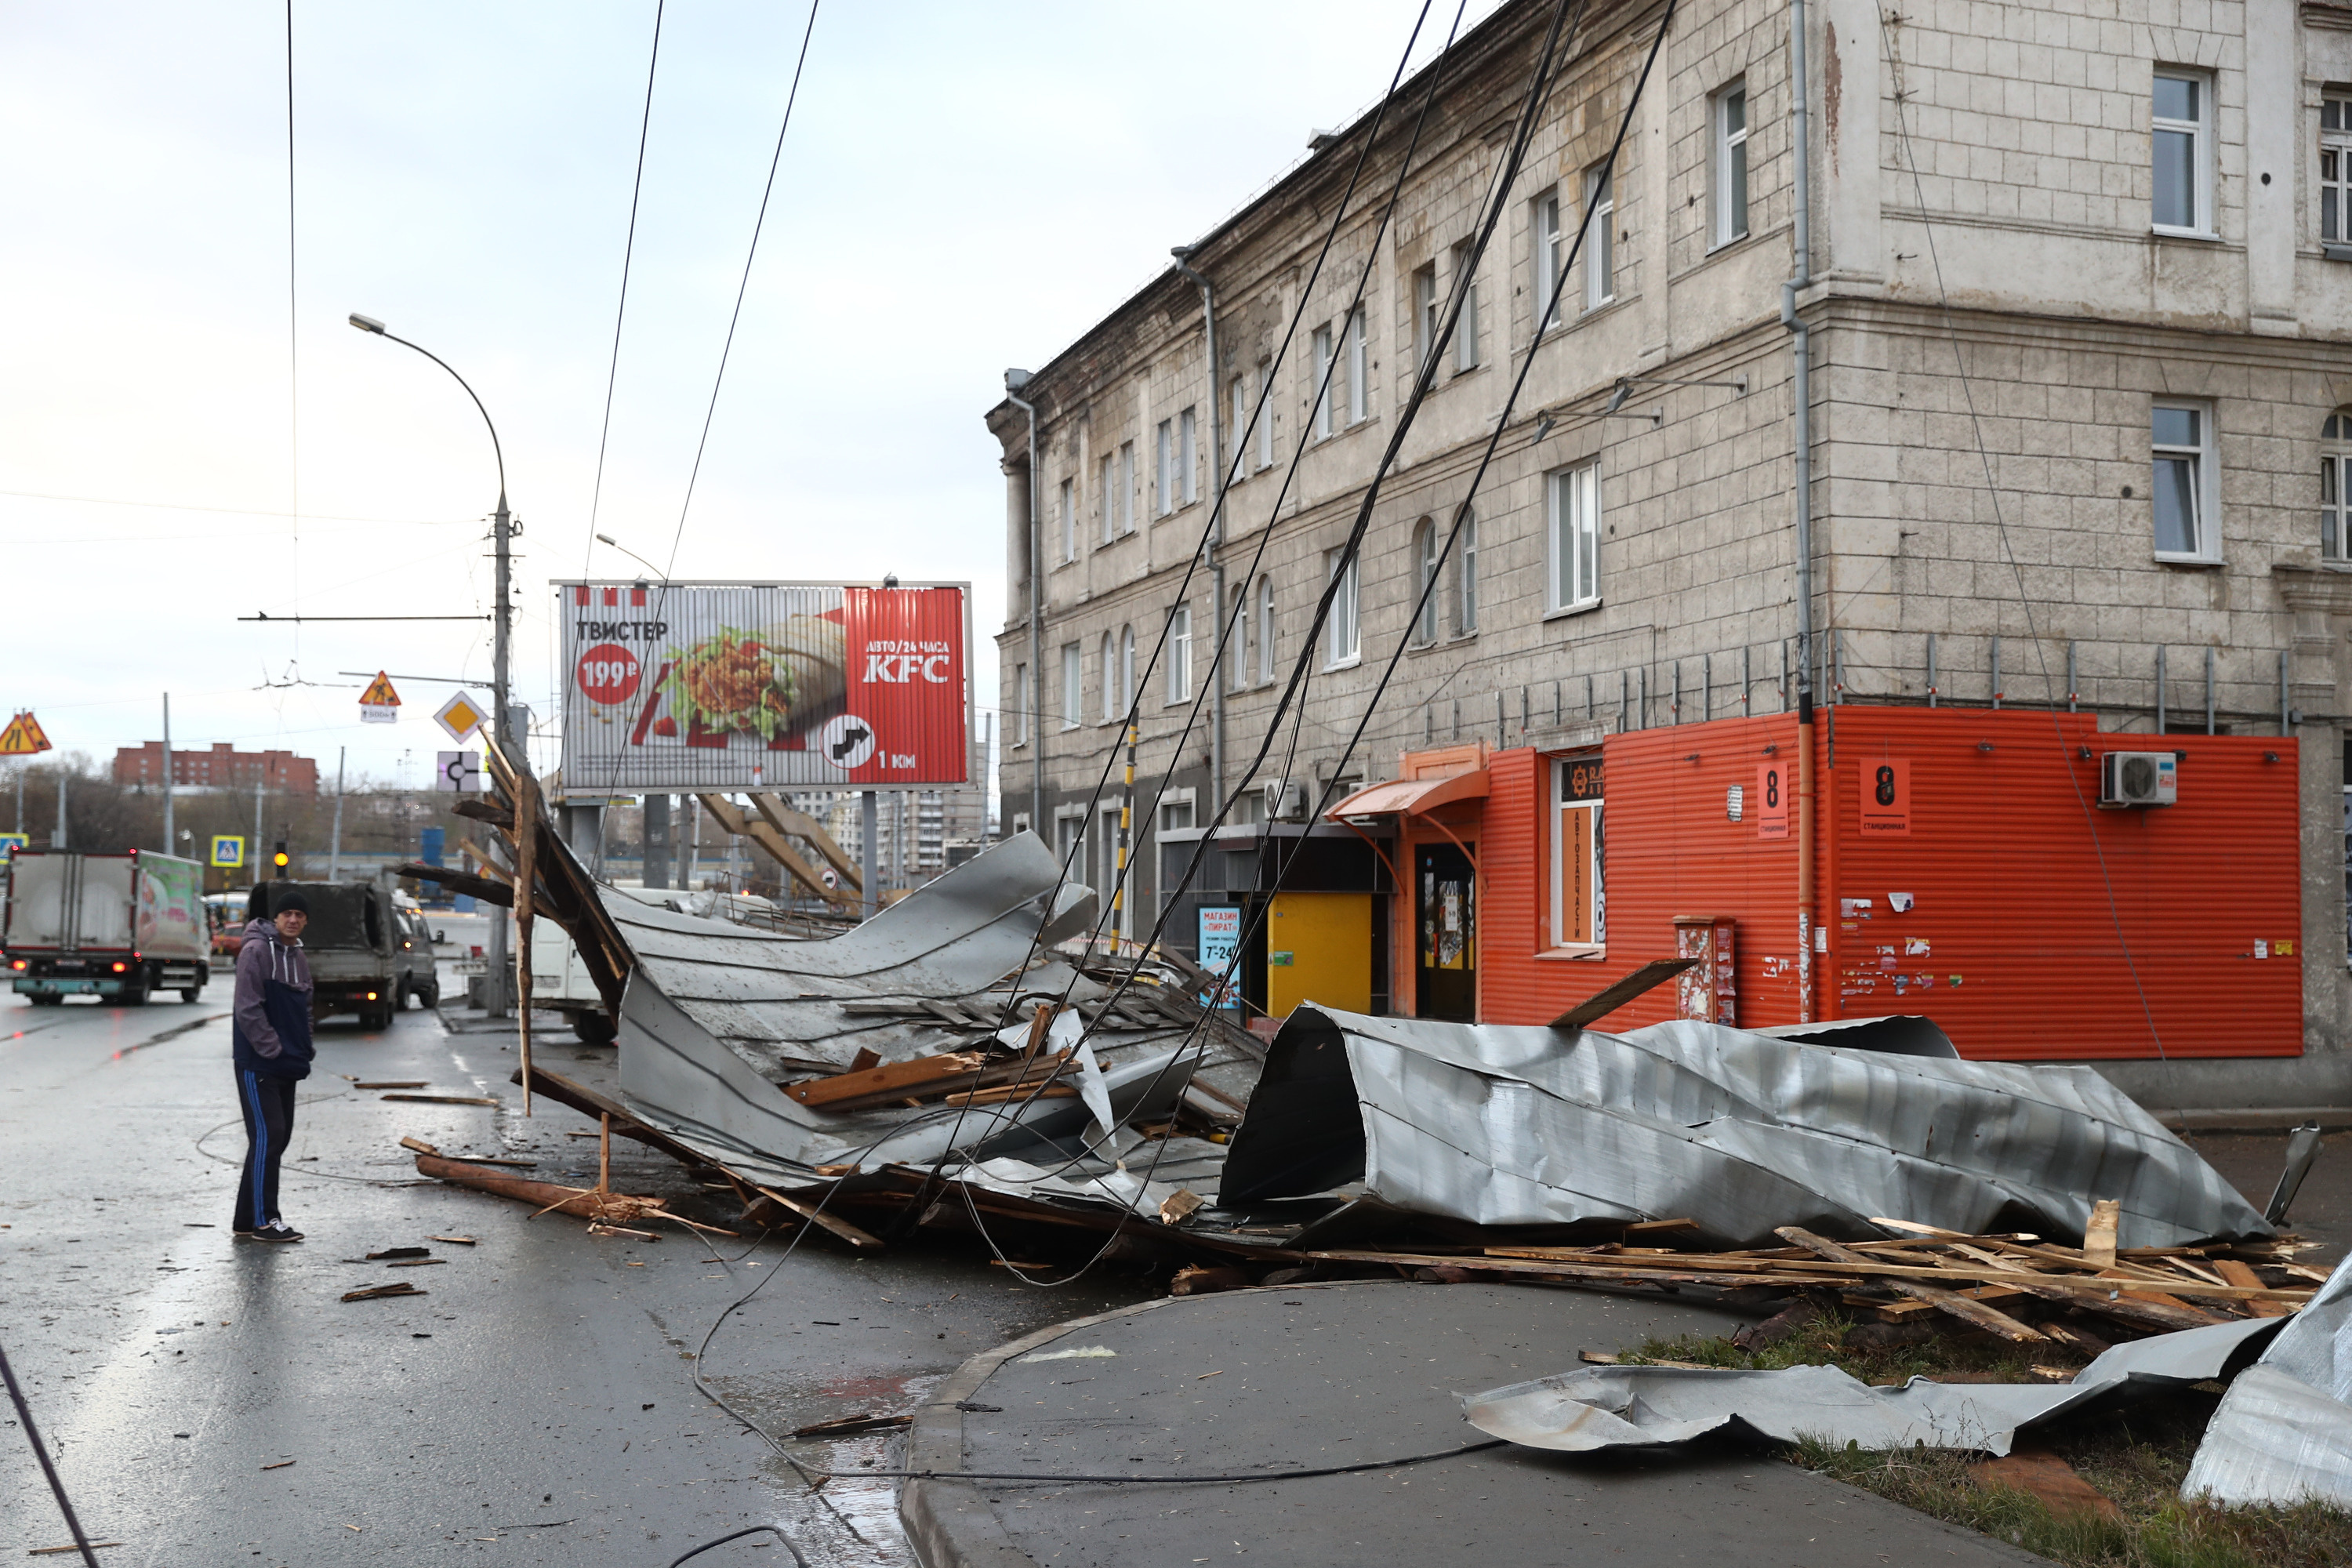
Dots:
pixel 293 341
pixel 620 308
pixel 2009 549
pixel 48 1470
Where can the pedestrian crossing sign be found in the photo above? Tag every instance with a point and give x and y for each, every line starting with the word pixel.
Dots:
pixel 228 850
pixel 14 841
pixel 23 737
pixel 378 704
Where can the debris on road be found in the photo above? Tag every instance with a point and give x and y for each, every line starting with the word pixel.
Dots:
pixel 2282 1432
pixel 279 1465
pixel 442 1098
pixel 374 1292
pixel 391 1252
pixel 456 1240
pixel 392 1083
pixel 848 1425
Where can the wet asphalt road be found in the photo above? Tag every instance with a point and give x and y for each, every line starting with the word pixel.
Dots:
pixel 534 1407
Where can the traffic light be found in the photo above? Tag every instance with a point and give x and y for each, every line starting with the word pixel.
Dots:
pixel 280 859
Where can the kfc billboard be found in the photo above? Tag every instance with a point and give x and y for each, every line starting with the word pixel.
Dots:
pixel 679 687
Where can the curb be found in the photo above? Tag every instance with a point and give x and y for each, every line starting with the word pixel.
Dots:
pixel 2331 1119
pixel 949 1524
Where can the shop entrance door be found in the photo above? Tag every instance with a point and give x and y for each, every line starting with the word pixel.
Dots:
pixel 1448 941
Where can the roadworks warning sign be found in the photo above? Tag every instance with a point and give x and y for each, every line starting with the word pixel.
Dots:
pixel 23 737
pixel 378 704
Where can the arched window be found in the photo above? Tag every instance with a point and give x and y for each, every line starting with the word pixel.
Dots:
pixel 1265 628
pixel 1236 630
pixel 1467 615
pixel 1110 703
pixel 1126 669
pixel 1424 554
pixel 2335 487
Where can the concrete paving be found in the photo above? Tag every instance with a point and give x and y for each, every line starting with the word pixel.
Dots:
pixel 1336 1375
pixel 534 1407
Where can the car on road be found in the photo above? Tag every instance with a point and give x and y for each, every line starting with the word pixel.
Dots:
pixel 119 927
pixel 365 957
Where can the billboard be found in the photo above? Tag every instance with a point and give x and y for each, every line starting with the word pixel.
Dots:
pixel 678 687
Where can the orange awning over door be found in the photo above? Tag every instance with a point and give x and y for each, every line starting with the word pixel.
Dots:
pixel 1411 797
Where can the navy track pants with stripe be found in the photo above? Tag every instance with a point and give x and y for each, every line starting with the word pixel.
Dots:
pixel 269 1107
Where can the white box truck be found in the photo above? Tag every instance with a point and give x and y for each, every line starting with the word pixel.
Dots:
pixel 123 926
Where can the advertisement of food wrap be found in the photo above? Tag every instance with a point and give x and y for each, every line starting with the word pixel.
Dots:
pixel 674 688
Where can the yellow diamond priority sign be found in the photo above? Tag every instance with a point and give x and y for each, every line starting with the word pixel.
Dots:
pixel 23 737
pixel 460 716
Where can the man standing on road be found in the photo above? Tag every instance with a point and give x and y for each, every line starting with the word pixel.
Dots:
pixel 270 1031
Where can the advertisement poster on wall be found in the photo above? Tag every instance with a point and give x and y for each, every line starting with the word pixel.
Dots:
pixel 678 687
pixel 1221 945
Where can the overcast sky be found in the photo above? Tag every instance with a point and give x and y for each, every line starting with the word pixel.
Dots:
pixel 964 187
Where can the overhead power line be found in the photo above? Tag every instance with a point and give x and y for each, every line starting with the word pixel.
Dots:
pixel 621 310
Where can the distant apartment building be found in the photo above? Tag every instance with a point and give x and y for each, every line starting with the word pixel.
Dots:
pixel 2073 297
pixel 220 766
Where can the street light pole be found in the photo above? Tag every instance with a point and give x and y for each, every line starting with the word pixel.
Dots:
pixel 502 733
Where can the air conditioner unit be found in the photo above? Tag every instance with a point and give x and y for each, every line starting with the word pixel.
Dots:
pixel 1285 801
pixel 2138 778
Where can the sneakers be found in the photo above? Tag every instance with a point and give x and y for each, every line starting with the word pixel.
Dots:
pixel 275 1230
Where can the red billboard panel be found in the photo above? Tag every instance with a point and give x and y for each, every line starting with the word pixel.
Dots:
pixel 680 687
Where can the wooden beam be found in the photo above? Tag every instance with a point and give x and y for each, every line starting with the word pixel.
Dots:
pixel 772 844
pixel 1599 1005
pixel 799 823
pixel 1974 1314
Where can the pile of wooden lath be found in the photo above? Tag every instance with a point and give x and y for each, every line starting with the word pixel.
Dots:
pixel 2039 1285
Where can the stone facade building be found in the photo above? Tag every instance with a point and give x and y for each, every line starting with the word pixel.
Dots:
pixel 2077 303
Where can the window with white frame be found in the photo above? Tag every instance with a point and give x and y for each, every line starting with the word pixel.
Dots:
pixel 1359 370
pixel 1127 487
pixel 1180 654
pixel 1343 638
pixel 2336 170
pixel 1265 415
pixel 1240 426
pixel 1116 887
pixel 1164 469
pixel 1466 327
pixel 1070 843
pixel 1176 815
pixel 1575 537
pixel 1021 705
pixel 1322 391
pixel 1600 243
pixel 1424 552
pixel 1110 704
pixel 1551 246
pixel 1126 670
pixel 1066 513
pixel 1072 686
pixel 1466 613
pixel 2335 488
pixel 1104 488
pixel 1187 457
pixel 1236 635
pixel 1727 168
pixel 1425 315
pixel 1578 900
pixel 2181 149
pixel 1266 629
pixel 2180 438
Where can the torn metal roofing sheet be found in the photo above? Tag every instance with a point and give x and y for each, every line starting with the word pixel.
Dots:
pixel 1620 1406
pixel 2282 1433
pixel 1740 1132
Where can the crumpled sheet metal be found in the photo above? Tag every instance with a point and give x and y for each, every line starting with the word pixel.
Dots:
pixel 1622 1407
pixel 1740 1132
pixel 2282 1433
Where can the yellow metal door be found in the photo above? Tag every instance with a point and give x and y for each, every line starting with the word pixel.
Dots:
pixel 1319 948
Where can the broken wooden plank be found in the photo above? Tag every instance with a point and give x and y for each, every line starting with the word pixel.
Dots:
pixel 832 1221
pixel 895 1079
pixel 443 1099
pixel 800 825
pixel 590 1103
pixel 1602 1002
pixel 1974 1314
pixel 774 845
pixel 373 1292
pixel 1596 1270
pixel 482 887
pixel 2238 1273
pixel 2099 1236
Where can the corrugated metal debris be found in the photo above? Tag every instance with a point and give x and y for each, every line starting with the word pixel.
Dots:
pixel 2283 1431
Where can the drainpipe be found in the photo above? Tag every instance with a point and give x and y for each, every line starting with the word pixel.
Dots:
pixel 1801 344
pixel 1014 379
pixel 1218 476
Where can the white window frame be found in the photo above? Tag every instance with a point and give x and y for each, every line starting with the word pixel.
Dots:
pixel 1126 670
pixel 1559 927
pixel 2336 489
pixel 1113 884
pixel 1425 315
pixel 1069 515
pixel 1360 369
pixel 1600 239
pixel 1110 505
pixel 1070 834
pixel 1466 581
pixel 1264 414
pixel 1426 594
pixel 1111 711
pixel 1322 389
pixel 1180 654
pixel 1573 538
pixel 1127 487
pixel 2206 547
pixel 1728 218
pixel 1187 457
pixel 1021 705
pixel 2200 132
pixel 1164 469
pixel 1074 685
pixel 1343 641
pixel 1550 244
pixel 1240 428
pixel 1236 630
pixel 1465 327
pixel 2335 172
pixel 1266 630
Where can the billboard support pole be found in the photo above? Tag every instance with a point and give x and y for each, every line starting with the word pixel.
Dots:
pixel 868 859
pixel 653 851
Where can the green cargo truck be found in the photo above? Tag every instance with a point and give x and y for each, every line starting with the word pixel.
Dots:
pixel 119 926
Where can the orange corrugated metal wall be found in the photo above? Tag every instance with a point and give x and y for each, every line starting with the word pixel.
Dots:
pixel 2003 864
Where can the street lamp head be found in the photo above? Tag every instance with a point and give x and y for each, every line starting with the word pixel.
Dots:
pixel 367 323
pixel 608 539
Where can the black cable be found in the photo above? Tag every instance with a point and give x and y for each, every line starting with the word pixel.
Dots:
pixel 57 1487
pixel 755 1530
pixel 1056 1478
